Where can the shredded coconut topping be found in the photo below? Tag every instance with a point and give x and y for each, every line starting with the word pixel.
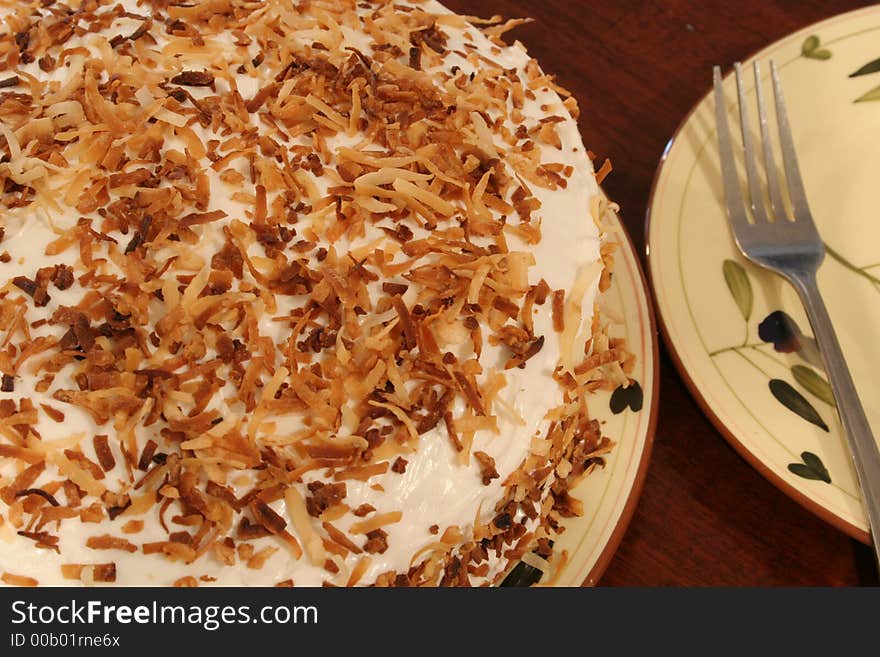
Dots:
pixel 290 257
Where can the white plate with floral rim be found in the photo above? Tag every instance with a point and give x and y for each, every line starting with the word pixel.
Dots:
pixel 738 333
pixel 629 417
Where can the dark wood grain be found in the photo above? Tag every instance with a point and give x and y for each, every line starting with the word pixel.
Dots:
pixel 705 518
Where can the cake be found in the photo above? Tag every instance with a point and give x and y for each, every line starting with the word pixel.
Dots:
pixel 293 293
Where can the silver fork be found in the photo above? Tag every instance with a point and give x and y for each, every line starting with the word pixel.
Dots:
pixel 791 247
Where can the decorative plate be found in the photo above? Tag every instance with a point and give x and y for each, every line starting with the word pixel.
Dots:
pixel 738 333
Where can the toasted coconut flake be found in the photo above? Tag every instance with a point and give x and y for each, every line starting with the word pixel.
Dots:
pixel 400 415
pixel 359 570
pixel 362 472
pixel 133 527
pixel 424 196
pixel 108 542
pixel 340 538
pixel 260 558
pixel 89 574
pixel 21 453
pixel 487 467
pixel 187 581
pixel 452 535
pixel 23 481
pixel 375 522
pixel 102 451
pixel 193 79
pixel 77 474
pixel 603 171
pixel 71 570
pixel 18 580
pixel 41 493
pixel 267 517
pixel 296 509
pixel 292 544
pixel 586 276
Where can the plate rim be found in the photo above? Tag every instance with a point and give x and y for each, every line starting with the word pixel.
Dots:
pixel 833 519
pixel 623 521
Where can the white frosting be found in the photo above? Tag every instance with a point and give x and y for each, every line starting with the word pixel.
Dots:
pixel 435 489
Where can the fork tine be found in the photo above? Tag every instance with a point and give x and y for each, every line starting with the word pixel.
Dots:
pixel 736 213
pixel 777 205
pixel 756 201
pixel 796 191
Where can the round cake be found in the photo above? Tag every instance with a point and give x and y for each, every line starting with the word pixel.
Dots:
pixel 293 293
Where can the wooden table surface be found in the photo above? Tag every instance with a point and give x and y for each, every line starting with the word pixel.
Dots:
pixel 705 517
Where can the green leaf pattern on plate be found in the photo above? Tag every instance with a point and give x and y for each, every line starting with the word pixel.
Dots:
pixel 748 374
pixel 813 382
pixel 867 69
pixel 811 468
pixel 811 49
pixel 628 396
pixel 786 338
pixel 796 402
pixel 874 94
pixel 523 575
pixel 739 286
pixel 789 339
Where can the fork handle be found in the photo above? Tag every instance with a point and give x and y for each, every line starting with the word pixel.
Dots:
pixel 863 447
